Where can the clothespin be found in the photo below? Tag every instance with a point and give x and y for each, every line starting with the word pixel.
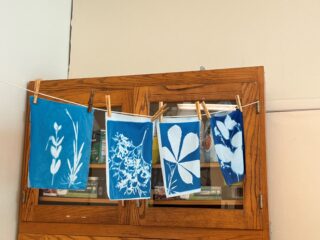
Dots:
pixel 198 110
pixel 36 90
pixel 108 105
pixel 239 105
pixel 204 106
pixel 161 110
pixel 90 103
pixel 258 107
pixel 161 115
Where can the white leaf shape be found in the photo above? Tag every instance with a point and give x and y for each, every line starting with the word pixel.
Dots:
pixel 56 168
pixel 53 164
pixel 73 178
pixel 80 152
pixel 216 132
pixel 55 152
pixel 192 166
pixel 229 123
pixel 237 163
pixel 222 128
pixel 184 174
pixel 224 153
pixel 189 145
pixel 174 136
pixel 60 141
pixel 55 126
pixel 236 140
pixel 74 147
pixel 59 128
pixel 77 128
pixel 53 140
pixel 167 155
pixel 69 165
pixel 78 169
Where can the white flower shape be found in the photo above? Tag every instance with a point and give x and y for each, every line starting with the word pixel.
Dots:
pixel 225 154
pixel 55 150
pixel 189 145
pixel 224 128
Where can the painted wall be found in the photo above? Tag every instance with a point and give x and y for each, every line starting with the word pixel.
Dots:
pixel 293 166
pixel 112 37
pixel 34 43
pixel 118 37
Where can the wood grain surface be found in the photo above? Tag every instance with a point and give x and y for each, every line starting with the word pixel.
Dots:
pixel 135 219
pixel 129 231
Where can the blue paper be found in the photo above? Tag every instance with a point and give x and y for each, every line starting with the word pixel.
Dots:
pixel 129 154
pixel 179 147
pixel 60 145
pixel 229 145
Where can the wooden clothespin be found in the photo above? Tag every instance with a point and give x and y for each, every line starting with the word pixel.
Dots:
pixel 258 107
pixel 198 110
pixel 36 90
pixel 90 102
pixel 161 111
pixel 161 115
pixel 239 105
pixel 108 105
pixel 204 106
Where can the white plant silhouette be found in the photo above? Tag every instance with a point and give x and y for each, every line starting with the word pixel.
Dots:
pixel 185 168
pixel 230 156
pixel 77 154
pixel 55 151
pixel 128 166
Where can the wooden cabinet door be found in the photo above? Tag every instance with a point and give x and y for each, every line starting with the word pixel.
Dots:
pixel 37 208
pixel 212 86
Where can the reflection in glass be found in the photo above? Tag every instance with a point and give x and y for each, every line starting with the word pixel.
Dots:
pixel 95 193
pixel 214 191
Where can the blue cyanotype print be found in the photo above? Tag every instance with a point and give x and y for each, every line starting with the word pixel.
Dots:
pixel 179 147
pixel 129 154
pixel 60 145
pixel 229 145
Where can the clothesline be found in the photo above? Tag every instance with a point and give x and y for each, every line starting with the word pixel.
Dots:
pixel 105 110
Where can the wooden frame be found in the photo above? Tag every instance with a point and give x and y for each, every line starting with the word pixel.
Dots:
pixel 134 94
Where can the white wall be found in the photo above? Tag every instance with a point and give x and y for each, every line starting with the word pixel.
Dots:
pixel 112 37
pixel 117 37
pixel 293 165
pixel 34 39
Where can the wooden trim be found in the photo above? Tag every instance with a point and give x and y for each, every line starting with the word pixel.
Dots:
pixel 77 200
pixel 213 202
pixel 125 231
pixel 263 184
pixel 248 218
pixel 134 94
pixel 98 165
pixel 75 214
pixel 246 74
pixel 30 210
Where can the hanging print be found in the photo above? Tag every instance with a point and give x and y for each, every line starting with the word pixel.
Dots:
pixel 229 145
pixel 60 145
pixel 129 154
pixel 179 146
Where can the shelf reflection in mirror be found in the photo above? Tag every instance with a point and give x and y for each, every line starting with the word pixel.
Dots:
pixel 214 191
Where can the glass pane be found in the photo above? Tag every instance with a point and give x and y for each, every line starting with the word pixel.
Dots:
pixel 96 193
pixel 214 191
